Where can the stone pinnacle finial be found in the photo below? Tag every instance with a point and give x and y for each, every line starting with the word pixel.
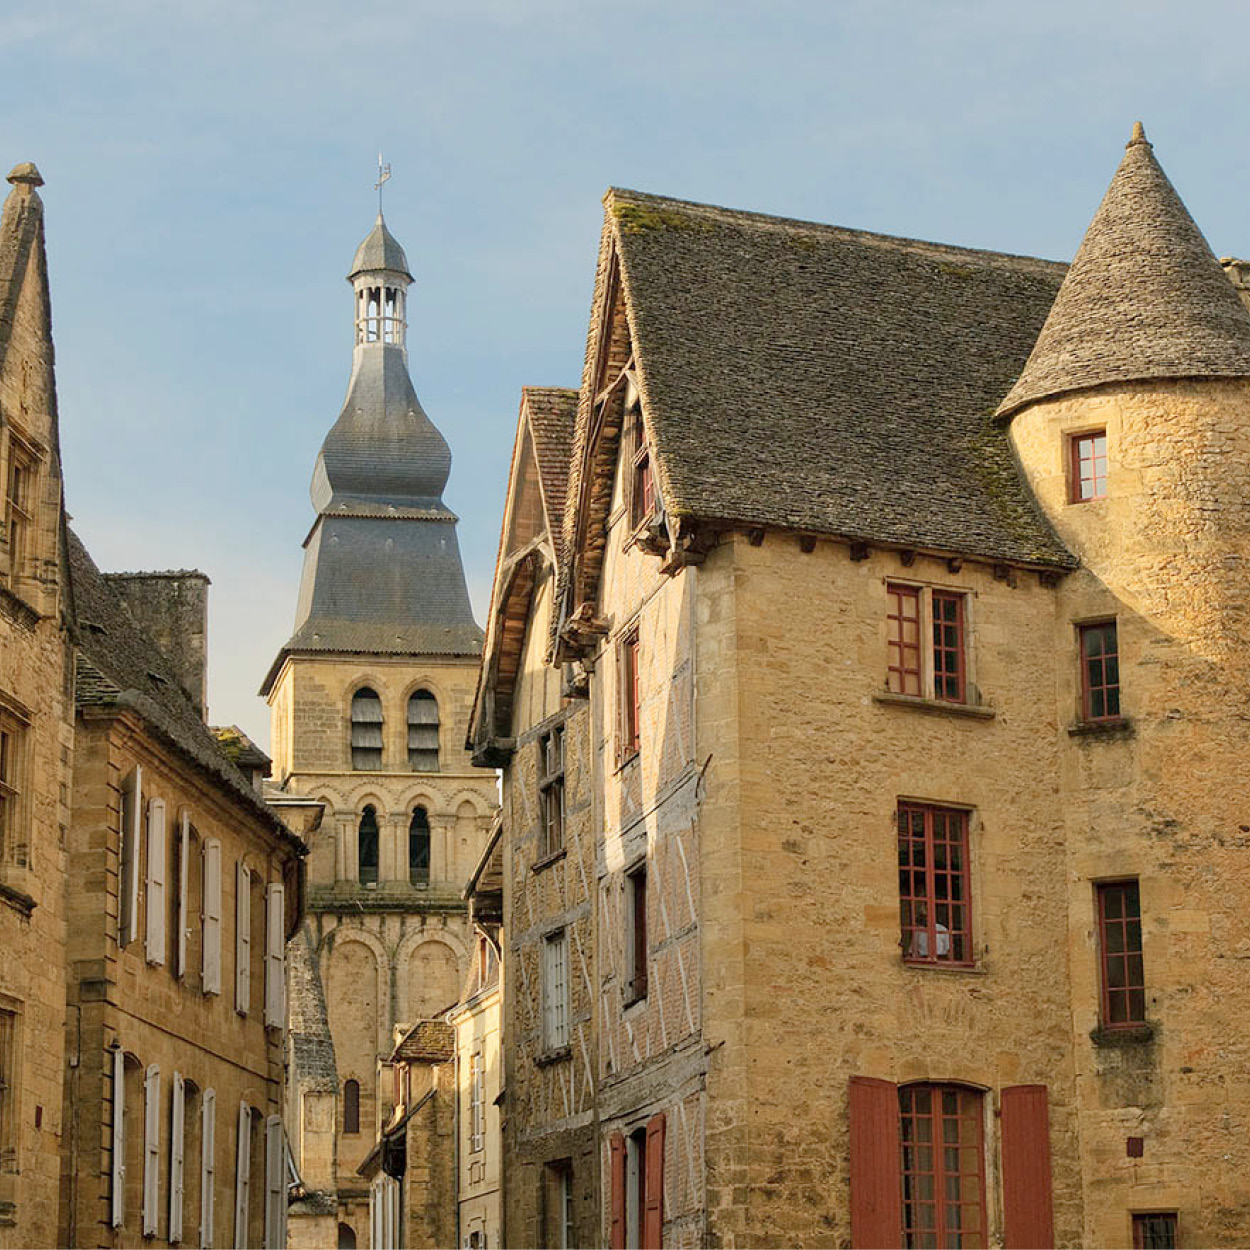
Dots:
pixel 26 172
pixel 1139 136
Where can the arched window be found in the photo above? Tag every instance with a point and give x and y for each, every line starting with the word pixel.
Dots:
pixel 347 1237
pixel 419 847
pixel 351 1107
pixel 423 732
pixel 366 730
pixel 367 847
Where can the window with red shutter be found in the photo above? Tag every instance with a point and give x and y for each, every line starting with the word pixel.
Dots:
pixel 653 1186
pixel 616 1179
pixel 876 1187
pixel 1028 1217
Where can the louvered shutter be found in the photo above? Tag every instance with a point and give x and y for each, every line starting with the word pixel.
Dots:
pixel 128 869
pixel 212 917
pixel 275 1184
pixel 242 940
pixel 184 867
pixel 242 1176
pixel 118 1208
pixel 653 1208
pixel 275 950
pixel 1028 1216
pixel 617 1181
pixel 151 1148
pixel 208 1169
pixel 156 882
pixel 177 1146
pixel 876 1183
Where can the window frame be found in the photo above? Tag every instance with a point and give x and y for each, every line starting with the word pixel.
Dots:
pixel 556 1002
pixel 1139 1221
pixel 1084 631
pixel 415 831
pixel 14 779
pixel 629 701
pixel 17 525
pixel 551 760
pixel 10 1082
pixel 1076 461
pixel 910 931
pixel 970 1111
pixel 923 680
pixel 1102 891
pixel 477 1102
pixel 637 947
pixel 640 501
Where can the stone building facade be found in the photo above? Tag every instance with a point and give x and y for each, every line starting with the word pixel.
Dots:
pixel 36 731
pixel 370 701
pixel 523 722
pixel 900 605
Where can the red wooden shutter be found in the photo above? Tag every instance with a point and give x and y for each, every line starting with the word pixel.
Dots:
pixel 618 1191
pixel 653 1212
pixel 876 1182
pixel 1028 1218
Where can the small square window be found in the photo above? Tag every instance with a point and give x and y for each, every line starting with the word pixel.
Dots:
pixel 1100 672
pixel 1154 1231
pixel 1089 467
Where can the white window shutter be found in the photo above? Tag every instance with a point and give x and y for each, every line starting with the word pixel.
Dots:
pixel 128 869
pixel 151 1148
pixel 212 917
pixel 184 856
pixel 177 1146
pixel 156 882
pixel 275 1184
pixel 275 952
pixel 242 940
pixel 208 1170
pixel 118 1210
pixel 242 1176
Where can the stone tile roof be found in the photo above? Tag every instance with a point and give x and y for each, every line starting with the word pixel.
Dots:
pixel 119 667
pixel 428 1041
pixel 311 1041
pixel 552 412
pixel 1144 298
pixel 831 380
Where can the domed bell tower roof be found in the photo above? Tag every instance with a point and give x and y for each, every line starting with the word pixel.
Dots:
pixel 380 250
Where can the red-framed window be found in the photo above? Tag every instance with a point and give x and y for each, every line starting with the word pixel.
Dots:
pixel 1100 671
pixel 1154 1230
pixel 903 671
pixel 948 646
pixel 630 719
pixel 941 1132
pixel 1119 941
pixel 1089 467
pixel 933 884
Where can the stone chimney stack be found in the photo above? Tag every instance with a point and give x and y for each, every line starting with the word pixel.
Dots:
pixel 172 609
pixel 1239 275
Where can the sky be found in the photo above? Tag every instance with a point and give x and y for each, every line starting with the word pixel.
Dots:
pixel 210 172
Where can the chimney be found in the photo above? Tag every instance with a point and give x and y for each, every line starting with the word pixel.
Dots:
pixel 1239 275
pixel 172 609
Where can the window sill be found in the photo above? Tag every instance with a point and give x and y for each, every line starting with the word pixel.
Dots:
pixel 1123 1035
pixel 556 1055
pixel 633 998
pixel 626 760
pixel 922 704
pixel 552 857
pixel 927 965
pixel 1119 726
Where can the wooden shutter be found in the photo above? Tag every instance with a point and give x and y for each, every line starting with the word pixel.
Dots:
pixel 184 855
pixel 212 917
pixel 242 940
pixel 617 1182
pixel 242 1176
pixel 177 1145
pixel 208 1170
pixel 876 1182
pixel 275 1186
pixel 118 1207
pixel 151 1148
pixel 275 950
pixel 128 870
pixel 1028 1217
pixel 653 1209
pixel 155 941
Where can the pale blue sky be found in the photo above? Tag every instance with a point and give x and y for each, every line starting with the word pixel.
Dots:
pixel 210 171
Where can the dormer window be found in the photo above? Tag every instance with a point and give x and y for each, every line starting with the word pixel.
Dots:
pixel 1088 471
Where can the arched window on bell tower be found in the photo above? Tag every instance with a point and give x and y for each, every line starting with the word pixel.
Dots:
pixel 419 847
pixel 367 846
pixel 423 732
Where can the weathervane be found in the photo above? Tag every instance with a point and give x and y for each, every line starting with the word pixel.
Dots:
pixel 384 173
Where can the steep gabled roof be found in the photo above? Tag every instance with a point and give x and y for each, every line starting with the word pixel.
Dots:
pixel 551 412
pixel 118 666
pixel 1144 298
pixel 827 380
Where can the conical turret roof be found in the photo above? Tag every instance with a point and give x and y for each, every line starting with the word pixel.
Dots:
pixel 379 250
pixel 1144 298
